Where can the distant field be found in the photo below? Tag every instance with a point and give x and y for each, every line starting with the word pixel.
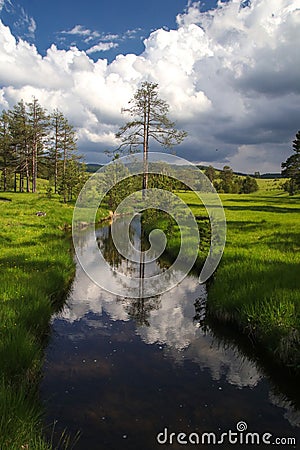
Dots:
pixel 269 185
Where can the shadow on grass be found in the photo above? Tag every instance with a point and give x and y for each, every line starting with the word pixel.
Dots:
pixel 37 225
pixel 260 208
pixel 5 240
pixel 263 198
pixel 282 241
pixel 30 265
pixel 201 206
pixel 38 240
pixel 248 225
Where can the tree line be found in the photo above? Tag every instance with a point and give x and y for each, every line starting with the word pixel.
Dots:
pixel 35 143
pixel 226 182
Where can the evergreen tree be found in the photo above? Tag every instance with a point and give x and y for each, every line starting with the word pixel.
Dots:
pixel 75 177
pixel 20 133
pixel 120 190
pixel 57 126
pixel 69 152
pixel 249 185
pixel 38 122
pixel 291 167
pixel 227 179
pixel 150 121
pixel 30 139
pixel 6 151
pixel 210 173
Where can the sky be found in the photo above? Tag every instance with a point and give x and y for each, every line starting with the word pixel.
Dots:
pixel 229 71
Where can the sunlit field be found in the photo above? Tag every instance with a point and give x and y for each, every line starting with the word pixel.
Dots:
pixel 257 286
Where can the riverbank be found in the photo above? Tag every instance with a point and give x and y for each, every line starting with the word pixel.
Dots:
pixel 37 268
pixel 158 219
pixel 256 288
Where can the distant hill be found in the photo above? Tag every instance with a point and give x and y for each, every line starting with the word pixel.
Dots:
pixel 242 174
pixel 271 175
pixel 266 176
pixel 92 168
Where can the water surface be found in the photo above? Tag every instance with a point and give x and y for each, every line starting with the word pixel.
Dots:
pixel 123 370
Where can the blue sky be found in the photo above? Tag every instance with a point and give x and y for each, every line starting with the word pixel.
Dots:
pixel 85 24
pixel 229 71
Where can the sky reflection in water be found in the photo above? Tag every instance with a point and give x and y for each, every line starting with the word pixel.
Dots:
pixel 120 370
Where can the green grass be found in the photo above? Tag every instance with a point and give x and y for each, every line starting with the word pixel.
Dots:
pixel 160 220
pixel 257 285
pixel 36 267
pixel 271 185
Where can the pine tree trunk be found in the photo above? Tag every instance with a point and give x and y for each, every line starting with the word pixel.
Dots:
pixel 55 171
pixel 56 157
pixel 21 182
pixel 64 169
pixel 145 162
pixel 34 166
pixel 145 147
pixel 27 176
pixel 27 182
pixel 4 179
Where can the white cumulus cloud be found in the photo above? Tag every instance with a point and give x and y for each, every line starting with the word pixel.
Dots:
pixel 101 47
pixel 230 76
pixel 79 30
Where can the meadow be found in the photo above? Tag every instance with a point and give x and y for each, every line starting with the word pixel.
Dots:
pixel 256 288
pixel 36 267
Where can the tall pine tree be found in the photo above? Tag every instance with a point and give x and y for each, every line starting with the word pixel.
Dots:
pixel 291 167
pixel 57 125
pixel 7 158
pixel 150 121
pixel 38 122
pixel 69 153
pixel 19 130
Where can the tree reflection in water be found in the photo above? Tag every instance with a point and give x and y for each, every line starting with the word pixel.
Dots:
pixel 128 366
pixel 138 309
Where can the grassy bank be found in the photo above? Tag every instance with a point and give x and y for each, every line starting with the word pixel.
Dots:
pixel 157 219
pixel 257 285
pixel 36 267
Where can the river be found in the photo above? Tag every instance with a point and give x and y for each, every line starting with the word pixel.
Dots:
pixel 127 373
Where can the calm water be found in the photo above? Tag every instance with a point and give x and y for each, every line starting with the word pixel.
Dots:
pixel 121 371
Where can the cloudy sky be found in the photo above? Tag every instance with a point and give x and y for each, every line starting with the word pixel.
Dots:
pixel 228 69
